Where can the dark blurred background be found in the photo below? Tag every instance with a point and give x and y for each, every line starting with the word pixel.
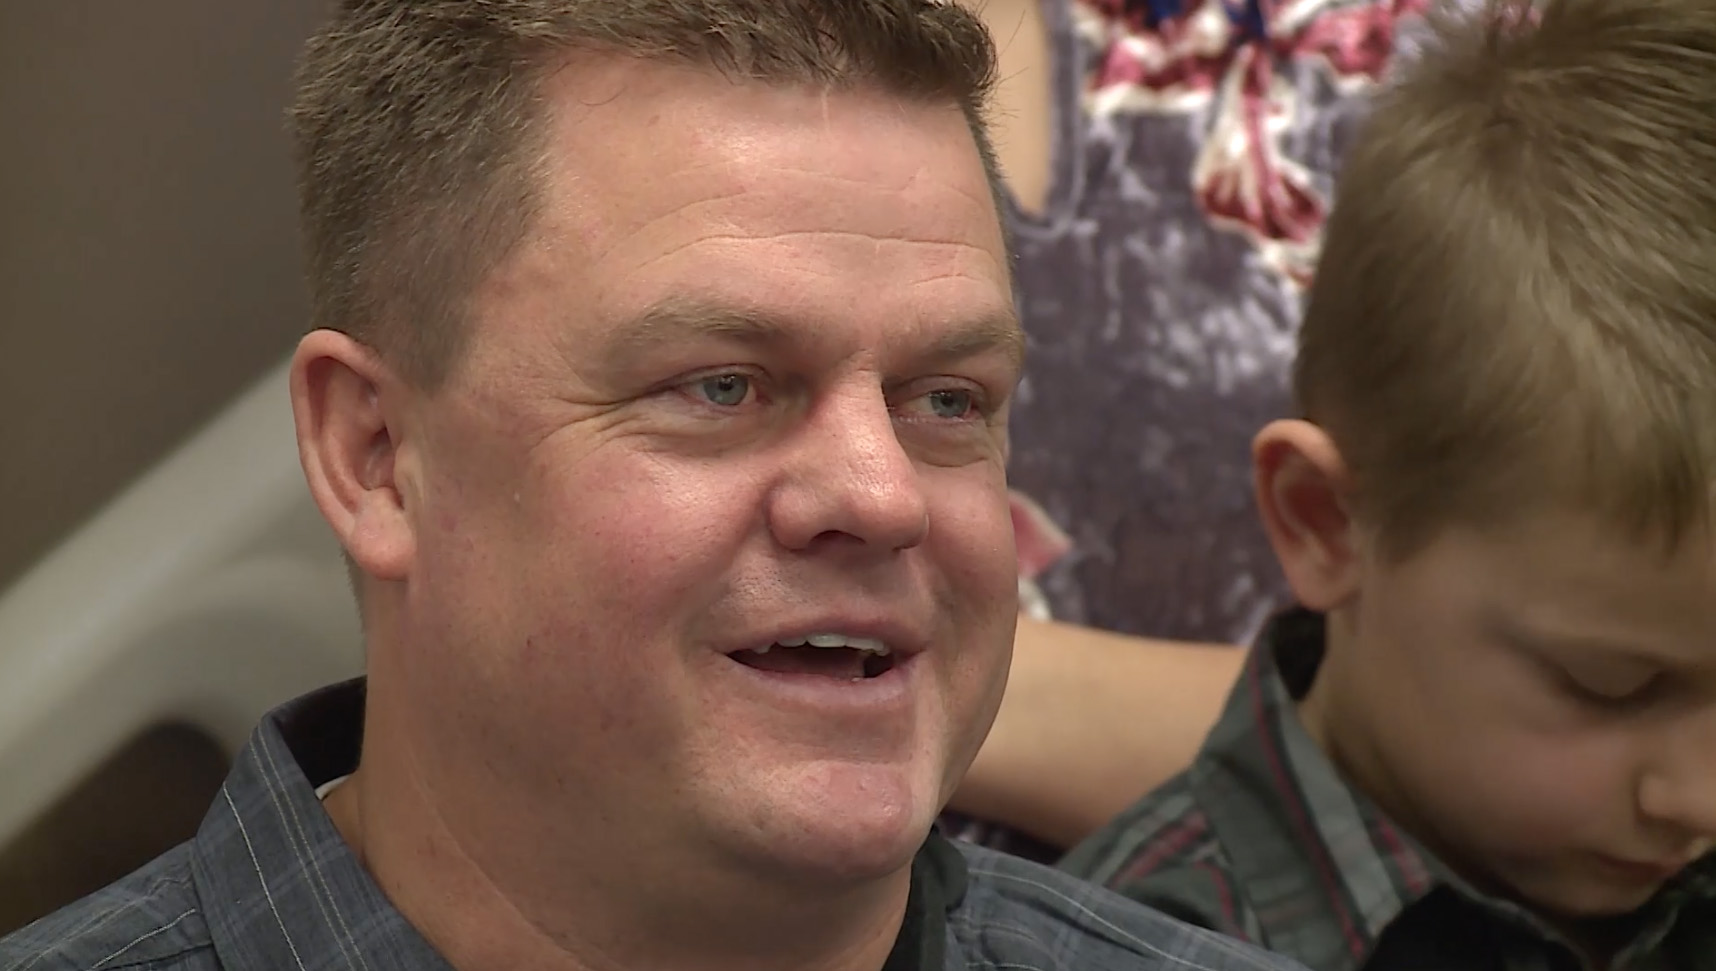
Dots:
pixel 148 273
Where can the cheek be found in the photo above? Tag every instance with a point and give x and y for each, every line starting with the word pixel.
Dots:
pixel 971 533
pixel 971 544
pixel 578 576
pixel 1501 786
pixel 611 584
pixel 1465 730
pixel 1534 775
pixel 1527 794
pixel 637 529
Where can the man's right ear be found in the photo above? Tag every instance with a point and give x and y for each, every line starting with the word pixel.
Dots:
pixel 346 404
pixel 1303 496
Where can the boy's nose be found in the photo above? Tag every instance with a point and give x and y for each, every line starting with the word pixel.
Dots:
pixel 1679 790
pixel 1689 810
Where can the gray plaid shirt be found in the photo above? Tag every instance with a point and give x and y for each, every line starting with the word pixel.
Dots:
pixel 268 883
pixel 1263 840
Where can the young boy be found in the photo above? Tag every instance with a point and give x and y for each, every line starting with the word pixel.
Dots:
pixel 1487 740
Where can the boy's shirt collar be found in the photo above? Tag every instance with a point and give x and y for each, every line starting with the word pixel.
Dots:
pixel 1324 870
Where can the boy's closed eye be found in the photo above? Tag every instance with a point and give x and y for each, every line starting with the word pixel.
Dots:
pixel 1597 676
pixel 1610 683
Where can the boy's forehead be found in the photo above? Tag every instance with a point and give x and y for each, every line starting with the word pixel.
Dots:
pixel 1566 577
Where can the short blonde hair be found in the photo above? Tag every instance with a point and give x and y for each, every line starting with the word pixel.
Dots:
pixel 418 126
pixel 1516 301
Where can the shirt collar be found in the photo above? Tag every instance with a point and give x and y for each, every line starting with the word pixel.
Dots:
pixel 1325 869
pixel 939 876
pixel 281 889
pixel 279 885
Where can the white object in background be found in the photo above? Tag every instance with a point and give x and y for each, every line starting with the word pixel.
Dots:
pixel 206 593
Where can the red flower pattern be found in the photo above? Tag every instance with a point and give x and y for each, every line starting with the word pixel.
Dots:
pixel 1182 56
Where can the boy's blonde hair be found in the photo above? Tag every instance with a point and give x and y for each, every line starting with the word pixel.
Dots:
pixel 1516 301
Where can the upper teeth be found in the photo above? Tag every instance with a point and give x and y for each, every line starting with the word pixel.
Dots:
pixel 867 644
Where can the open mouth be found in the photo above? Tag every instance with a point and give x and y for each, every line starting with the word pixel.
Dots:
pixel 831 656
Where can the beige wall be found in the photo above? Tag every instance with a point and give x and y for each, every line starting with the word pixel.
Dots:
pixel 148 263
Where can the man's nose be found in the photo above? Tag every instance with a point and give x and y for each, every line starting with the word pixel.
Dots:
pixel 1678 790
pixel 849 479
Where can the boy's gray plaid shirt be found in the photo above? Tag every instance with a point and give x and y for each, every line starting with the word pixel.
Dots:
pixel 1262 840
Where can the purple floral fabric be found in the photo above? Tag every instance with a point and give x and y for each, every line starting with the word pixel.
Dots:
pixel 1195 149
pixel 1196 143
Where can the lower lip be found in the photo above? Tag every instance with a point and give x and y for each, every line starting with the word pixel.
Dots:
pixel 885 693
pixel 1637 874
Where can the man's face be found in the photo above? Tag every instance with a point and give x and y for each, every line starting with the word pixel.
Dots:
pixel 1538 705
pixel 745 385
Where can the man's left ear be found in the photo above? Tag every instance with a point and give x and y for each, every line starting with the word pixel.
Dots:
pixel 345 402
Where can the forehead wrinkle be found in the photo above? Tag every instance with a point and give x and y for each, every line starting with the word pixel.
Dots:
pixel 922 181
pixel 876 241
pixel 984 201
pixel 677 212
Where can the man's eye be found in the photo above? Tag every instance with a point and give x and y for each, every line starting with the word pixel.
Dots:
pixel 951 403
pixel 726 390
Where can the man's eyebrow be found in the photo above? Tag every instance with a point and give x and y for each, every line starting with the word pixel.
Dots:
pixel 992 333
pixel 679 321
pixel 672 322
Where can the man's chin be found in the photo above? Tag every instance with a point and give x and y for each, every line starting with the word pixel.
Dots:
pixel 848 859
pixel 848 824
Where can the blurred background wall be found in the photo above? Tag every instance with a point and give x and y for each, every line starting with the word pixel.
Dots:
pixel 148 273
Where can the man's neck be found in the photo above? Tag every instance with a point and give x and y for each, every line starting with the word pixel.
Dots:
pixel 601 913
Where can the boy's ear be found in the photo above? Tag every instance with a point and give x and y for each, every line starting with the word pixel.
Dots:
pixel 1303 495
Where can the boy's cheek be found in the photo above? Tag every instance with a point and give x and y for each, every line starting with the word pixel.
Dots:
pixel 1536 815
